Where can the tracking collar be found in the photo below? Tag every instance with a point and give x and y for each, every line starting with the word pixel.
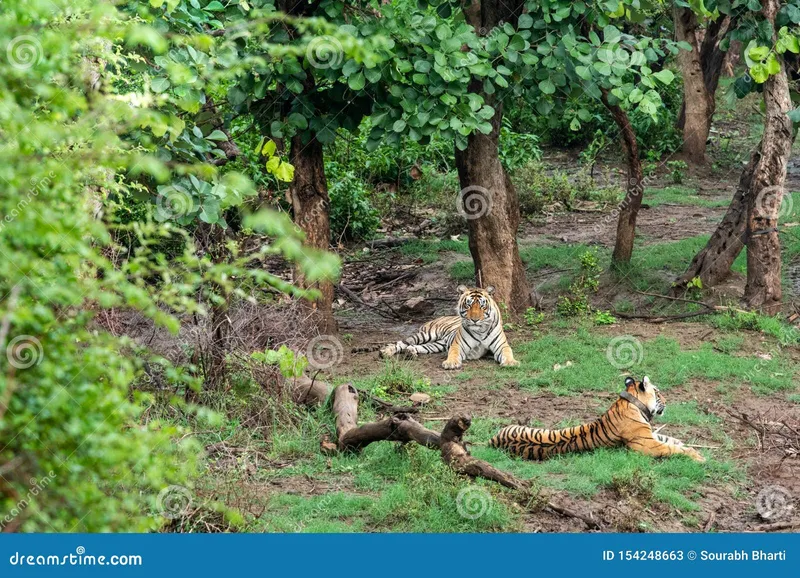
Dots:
pixel 646 413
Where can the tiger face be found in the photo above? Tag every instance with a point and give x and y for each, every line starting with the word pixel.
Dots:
pixel 647 393
pixel 475 305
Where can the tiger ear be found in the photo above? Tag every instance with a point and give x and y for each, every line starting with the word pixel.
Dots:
pixel 629 381
pixel 645 383
pixel 462 288
pixel 490 289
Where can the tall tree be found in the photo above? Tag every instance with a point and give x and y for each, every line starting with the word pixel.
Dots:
pixel 493 223
pixel 751 219
pixel 763 289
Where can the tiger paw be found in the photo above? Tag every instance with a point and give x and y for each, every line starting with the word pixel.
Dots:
pixel 512 363
pixel 388 351
pixel 447 364
pixel 695 455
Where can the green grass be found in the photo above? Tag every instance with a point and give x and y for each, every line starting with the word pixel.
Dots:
pixel 428 250
pixel 784 333
pixel 678 195
pixel 676 480
pixel 661 358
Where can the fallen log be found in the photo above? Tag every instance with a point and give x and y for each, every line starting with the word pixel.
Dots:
pixel 405 429
pixel 309 391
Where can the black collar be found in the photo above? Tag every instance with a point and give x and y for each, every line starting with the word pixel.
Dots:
pixel 646 413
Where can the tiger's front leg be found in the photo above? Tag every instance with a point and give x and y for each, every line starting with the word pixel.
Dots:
pixel 454 356
pixel 503 354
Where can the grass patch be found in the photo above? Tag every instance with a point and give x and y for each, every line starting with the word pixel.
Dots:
pixel 674 481
pixel 661 358
pixel 394 490
pixel 428 250
pixel 680 196
pixel 785 333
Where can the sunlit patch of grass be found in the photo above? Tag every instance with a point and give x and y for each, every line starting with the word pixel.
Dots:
pixel 662 359
pixel 751 321
pixel 428 250
pixel 680 196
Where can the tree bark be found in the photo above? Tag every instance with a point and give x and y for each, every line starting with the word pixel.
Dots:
pixel 697 105
pixel 308 195
pixel 763 289
pixel 713 263
pixel 488 199
pixel 629 208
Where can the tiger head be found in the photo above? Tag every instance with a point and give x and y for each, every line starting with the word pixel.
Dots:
pixel 647 393
pixel 476 306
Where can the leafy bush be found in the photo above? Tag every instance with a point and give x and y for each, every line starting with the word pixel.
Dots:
pixel 352 215
pixel 588 281
pixel 517 149
pixel 537 189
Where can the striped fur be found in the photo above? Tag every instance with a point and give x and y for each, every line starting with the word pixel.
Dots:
pixel 475 331
pixel 624 424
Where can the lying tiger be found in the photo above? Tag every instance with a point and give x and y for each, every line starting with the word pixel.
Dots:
pixel 626 423
pixel 476 330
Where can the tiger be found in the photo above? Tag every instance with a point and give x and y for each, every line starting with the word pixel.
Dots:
pixel 626 423
pixel 476 330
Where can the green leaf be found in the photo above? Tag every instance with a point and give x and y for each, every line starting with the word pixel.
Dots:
pixel 758 53
pixel 269 148
pixel 297 120
pixel 159 84
pixel 773 65
pixel 759 73
pixel 217 135
pixel 665 76
pixel 399 125
pixel 794 115
pixel 285 172
pixel 357 81
pixel 524 22
pixel 547 86
pixel 215 6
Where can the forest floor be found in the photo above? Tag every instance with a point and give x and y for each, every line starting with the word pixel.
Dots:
pixel 729 381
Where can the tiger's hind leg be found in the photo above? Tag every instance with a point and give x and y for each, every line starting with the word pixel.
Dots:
pixel 431 338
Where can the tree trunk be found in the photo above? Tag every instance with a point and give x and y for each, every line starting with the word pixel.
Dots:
pixel 713 263
pixel 308 195
pixel 763 290
pixel 701 69
pixel 629 208
pixel 488 199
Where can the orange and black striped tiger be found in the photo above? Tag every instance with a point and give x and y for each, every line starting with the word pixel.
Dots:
pixel 626 423
pixel 475 331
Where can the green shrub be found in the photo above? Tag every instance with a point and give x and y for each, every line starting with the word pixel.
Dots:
pixel 537 189
pixel 352 215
